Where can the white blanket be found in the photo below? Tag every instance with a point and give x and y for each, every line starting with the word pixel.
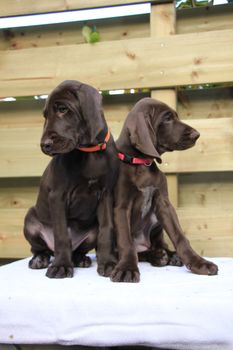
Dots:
pixel 170 308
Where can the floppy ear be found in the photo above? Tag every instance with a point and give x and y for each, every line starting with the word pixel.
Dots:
pixel 91 106
pixel 140 136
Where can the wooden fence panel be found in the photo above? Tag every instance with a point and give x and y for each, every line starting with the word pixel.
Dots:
pixel 21 7
pixel 34 60
pixel 121 64
pixel 188 21
pixel 71 33
pixel 213 190
pixel 203 19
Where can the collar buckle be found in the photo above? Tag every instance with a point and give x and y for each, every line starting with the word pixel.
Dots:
pixel 128 159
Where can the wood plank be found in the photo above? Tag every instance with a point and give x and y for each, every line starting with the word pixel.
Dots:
pixel 213 151
pixel 28 113
pixel 21 114
pixel 12 242
pixel 122 28
pixel 20 153
pixel 21 7
pixel 206 190
pixel 16 198
pixel 209 103
pixel 192 104
pixel 188 21
pixel 209 231
pixel 203 19
pixel 121 64
pixel 163 20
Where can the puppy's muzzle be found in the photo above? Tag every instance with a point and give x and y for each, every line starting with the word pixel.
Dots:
pixel 47 146
pixel 194 135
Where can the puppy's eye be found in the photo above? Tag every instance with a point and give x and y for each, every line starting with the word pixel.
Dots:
pixel 167 118
pixel 62 109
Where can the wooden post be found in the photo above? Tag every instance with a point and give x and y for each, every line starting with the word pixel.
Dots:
pixel 162 23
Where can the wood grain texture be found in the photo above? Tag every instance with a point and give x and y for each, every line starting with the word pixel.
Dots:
pixel 20 153
pixel 206 190
pixel 21 7
pixel 63 34
pixel 213 151
pixel 200 19
pixel 203 19
pixel 210 232
pixel 203 104
pixel 196 58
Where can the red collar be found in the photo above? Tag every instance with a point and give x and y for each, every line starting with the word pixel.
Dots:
pixel 133 160
pixel 100 147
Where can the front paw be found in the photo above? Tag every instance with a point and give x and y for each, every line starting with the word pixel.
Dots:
pixel 106 264
pixel 175 260
pixel 201 266
pixel 82 260
pixel 60 271
pixel 159 258
pixel 123 273
pixel 40 261
pixel 105 268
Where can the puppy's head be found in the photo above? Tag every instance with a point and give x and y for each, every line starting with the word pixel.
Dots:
pixel 154 128
pixel 73 117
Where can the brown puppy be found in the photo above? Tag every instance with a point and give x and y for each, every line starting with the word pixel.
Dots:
pixel 75 195
pixel 142 207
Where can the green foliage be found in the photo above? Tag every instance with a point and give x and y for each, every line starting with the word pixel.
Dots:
pixel 91 35
pixel 181 4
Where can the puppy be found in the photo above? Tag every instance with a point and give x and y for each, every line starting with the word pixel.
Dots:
pixel 74 211
pixel 142 207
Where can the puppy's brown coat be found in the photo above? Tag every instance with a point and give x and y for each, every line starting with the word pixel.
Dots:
pixel 142 207
pixel 74 211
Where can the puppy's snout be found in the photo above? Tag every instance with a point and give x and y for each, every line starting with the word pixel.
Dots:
pixel 194 135
pixel 47 145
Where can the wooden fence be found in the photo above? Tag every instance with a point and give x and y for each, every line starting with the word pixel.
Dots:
pixel 160 52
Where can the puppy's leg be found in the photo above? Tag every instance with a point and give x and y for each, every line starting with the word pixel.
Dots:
pixel 169 220
pixel 159 253
pixel 62 265
pixel 127 268
pixel 160 248
pixel 39 248
pixel 106 259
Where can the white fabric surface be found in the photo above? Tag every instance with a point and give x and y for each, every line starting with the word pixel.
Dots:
pixel 170 308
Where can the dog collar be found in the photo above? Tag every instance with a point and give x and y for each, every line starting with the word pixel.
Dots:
pixel 133 160
pixel 99 147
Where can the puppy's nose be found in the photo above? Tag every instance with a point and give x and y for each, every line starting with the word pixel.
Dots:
pixel 194 135
pixel 46 145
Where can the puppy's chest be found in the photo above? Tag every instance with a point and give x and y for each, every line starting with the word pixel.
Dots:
pixel 84 197
pixel 146 199
pixel 143 179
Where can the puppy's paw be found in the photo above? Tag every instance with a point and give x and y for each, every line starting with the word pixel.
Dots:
pixel 159 258
pixel 105 269
pixel 175 260
pixel 202 267
pixel 82 261
pixel 40 261
pixel 128 275
pixel 60 271
pixel 106 264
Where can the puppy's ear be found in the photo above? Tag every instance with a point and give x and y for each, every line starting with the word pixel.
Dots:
pixel 91 106
pixel 141 138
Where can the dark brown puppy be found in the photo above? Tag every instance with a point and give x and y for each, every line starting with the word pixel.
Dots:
pixel 75 196
pixel 142 207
